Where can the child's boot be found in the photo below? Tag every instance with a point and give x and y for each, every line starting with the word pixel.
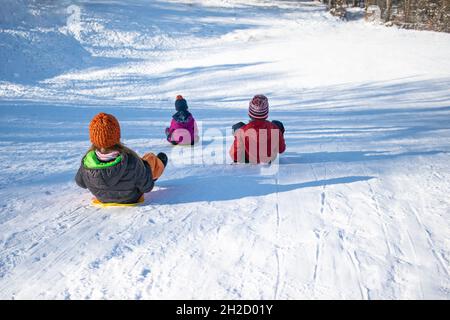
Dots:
pixel 156 164
pixel 279 125
pixel 163 157
pixel 237 126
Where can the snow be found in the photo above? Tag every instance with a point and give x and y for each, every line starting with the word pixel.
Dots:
pixel 357 208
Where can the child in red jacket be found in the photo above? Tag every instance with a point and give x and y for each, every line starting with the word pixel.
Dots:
pixel 259 141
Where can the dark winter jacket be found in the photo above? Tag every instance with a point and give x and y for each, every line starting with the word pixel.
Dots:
pixel 123 180
pixel 259 141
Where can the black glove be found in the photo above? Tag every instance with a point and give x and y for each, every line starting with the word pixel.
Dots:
pixel 279 125
pixel 237 126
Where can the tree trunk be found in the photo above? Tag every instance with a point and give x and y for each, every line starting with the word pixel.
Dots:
pixel 407 6
pixel 388 10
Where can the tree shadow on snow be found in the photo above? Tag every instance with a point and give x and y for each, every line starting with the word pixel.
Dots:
pixel 348 156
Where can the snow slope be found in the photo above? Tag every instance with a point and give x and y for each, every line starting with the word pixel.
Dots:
pixel 358 207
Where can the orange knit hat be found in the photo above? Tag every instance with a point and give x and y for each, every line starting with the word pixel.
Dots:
pixel 104 130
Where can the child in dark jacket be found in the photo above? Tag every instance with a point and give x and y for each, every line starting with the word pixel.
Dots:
pixel 259 141
pixel 183 128
pixel 112 172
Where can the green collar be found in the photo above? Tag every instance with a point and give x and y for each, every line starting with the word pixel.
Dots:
pixel 91 161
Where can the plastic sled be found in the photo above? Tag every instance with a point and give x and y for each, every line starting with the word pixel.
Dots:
pixel 97 203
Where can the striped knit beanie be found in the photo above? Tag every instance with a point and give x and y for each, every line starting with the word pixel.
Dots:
pixel 259 107
pixel 104 130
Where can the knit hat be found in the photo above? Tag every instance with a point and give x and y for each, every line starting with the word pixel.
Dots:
pixel 104 130
pixel 259 107
pixel 180 103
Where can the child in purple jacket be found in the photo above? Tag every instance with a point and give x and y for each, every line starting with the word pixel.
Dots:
pixel 183 129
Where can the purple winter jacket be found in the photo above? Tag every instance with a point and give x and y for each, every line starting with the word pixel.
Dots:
pixel 183 129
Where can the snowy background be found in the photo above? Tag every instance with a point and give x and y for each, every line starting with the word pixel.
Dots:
pixel 359 207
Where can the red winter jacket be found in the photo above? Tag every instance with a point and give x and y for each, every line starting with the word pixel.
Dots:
pixel 263 141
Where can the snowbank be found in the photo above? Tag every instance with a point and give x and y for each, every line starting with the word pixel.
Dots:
pixel 34 43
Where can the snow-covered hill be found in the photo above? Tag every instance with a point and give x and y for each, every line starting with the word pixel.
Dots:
pixel 358 207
